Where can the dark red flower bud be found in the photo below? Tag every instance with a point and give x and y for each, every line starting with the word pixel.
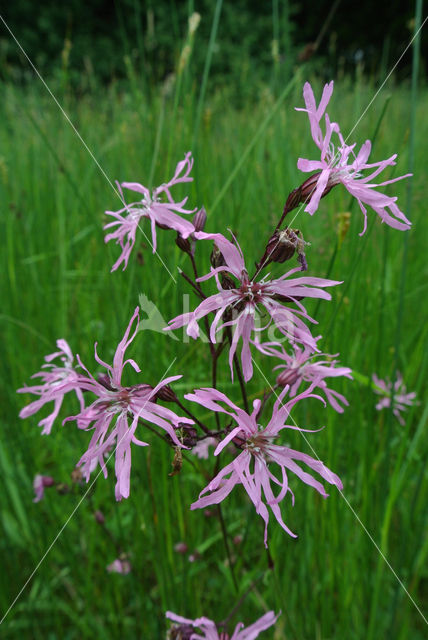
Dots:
pixel 308 187
pixel 227 282
pixel 166 394
pixel 183 244
pixel 99 516
pixel 189 434
pixel 216 257
pixel 104 379
pixel 288 376
pixel 282 246
pixel 181 632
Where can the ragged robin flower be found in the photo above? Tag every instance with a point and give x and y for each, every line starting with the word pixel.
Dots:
pixel 260 453
pixel 244 298
pixel 343 166
pixel 161 213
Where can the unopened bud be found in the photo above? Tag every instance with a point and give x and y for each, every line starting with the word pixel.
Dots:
pixel 183 243
pixel 199 219
pixel 227 282
pixel 239 441
pixel 104 379
pixel 282 246
pixel 99 516
pixel 189 435
pixel 166 394
pixel 288 376
pixel 308 188
pixel 216 257
pixel 181 632
pixel 301 259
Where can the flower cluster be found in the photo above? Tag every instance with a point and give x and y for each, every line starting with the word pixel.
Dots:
pixel 244 311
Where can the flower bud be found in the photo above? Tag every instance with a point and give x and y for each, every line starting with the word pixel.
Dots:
pixel 308 187
pixel 183 243
pixel 282 246
pixel 166 394
pixel 227 282
pixel 99 516
pixel 189 434
pixel 199 219
pixel 104 379
pixel 288 376
pixel 181 632
pixel 216 257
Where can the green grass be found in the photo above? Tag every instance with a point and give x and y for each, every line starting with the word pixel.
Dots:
pixel 57 283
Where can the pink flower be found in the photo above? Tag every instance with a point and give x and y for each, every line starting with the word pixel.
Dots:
pixel 120 565
pixel 39 485
pixel 259 452
pixel 343 166
pixel 108 415
pixel 244 300
pixel 185 628
pixel 164 214
pixel 300 366
pixel 401 399
pixel 57 381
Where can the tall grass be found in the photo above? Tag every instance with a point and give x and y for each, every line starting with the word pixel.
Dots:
pixel 57 283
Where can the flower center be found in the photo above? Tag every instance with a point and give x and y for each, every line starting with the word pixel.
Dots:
pixel 257 444
pixel 251 292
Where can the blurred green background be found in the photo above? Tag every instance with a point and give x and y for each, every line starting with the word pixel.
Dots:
pixel 141 90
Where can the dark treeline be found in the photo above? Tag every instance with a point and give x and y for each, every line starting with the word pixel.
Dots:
pixel 103 40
